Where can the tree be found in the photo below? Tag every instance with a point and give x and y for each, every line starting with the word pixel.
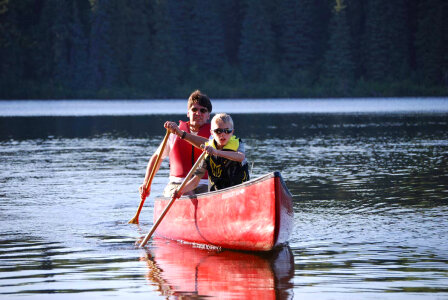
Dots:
pixel 298 38
pixel 257 46
pixel 231 16
pixel 78 53
pixel 11 56
pixel 386 40
pixel 431 50
pixel 139 63
pixel 165 73
pixel 103 66
pixel 61 42
pixel 207 43
pixel 339 66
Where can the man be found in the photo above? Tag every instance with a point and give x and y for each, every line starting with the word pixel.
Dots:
pixel 183 155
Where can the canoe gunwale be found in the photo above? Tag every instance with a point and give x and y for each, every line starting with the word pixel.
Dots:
pixel 235 187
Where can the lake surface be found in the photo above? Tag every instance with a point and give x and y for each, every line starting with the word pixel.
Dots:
pixel 368 176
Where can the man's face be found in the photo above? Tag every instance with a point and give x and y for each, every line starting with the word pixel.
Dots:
pixel 198 115
pixel 222 132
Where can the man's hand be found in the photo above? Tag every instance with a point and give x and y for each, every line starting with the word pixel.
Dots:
pixel 144 192
pixel 172 127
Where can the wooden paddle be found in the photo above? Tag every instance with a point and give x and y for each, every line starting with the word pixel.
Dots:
pixel 173 198
pixel 134 220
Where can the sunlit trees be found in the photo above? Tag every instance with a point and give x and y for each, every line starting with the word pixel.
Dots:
pixel 386 40
pixel 103 66
pixel 256 52
pixel 165 48
pixel 339 65
pixel 298 36
pixel 432 41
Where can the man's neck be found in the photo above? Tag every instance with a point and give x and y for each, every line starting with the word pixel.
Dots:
pixel 194 128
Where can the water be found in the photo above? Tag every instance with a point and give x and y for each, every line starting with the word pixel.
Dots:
pixel 370 202
pixel 231 106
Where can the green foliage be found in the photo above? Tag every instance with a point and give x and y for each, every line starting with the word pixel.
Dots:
pixel 298 31
pixel 386 40
pixel 256 50
pixel 431 43
pixel 232 48
pixel 339 66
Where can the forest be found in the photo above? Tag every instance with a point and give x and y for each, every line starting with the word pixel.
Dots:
pixel 143 49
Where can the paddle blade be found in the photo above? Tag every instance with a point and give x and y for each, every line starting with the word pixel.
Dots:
pixel 134 220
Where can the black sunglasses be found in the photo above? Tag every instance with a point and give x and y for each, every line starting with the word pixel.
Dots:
pixel 221 130
pixel 202 110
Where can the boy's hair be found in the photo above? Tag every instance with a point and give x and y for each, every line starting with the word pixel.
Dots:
pixel 223 117
pixel 201 99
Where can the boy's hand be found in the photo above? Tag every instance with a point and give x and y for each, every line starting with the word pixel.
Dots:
pixel 210 150
pixel 176 194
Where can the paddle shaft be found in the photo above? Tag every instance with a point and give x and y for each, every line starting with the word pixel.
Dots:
pixel 178 190
pixel 134 220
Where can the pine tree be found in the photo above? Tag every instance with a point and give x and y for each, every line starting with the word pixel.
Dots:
pixel 430 51
pixel 298 33
pixel 207 44
pixel 231 16
pixel 398 40
pixel 139 63
pixel 11 58
pixel 339 66
pixel 445 45
pixel 18 21
pixel 78 59
pixel 386 40
pixel 165 74
pixel 45 40
pixel 375 49
pixel 257 46
pixel 61 43
pixel 356 15
pixel 103 66
pixel 181 32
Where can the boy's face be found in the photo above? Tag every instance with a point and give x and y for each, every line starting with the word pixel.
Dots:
pixel 198 114
pixel 220 136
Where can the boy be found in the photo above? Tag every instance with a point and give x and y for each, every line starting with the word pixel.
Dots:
pixel 225 162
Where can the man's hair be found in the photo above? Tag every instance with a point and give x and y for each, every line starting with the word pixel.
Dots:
pixel 223 117
pixel 201 99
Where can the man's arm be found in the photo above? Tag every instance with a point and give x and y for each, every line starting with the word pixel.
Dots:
pixel 142 189
pixel 195 140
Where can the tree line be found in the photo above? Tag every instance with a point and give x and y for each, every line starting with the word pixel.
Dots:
pixel 227 48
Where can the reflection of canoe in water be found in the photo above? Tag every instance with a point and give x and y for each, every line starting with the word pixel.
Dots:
pixel 182 270
pixel 255 216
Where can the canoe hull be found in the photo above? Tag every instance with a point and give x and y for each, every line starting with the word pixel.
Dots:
pixel 253 216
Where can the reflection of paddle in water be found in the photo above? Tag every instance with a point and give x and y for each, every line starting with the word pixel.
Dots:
pixel 155 275
pixel 183 270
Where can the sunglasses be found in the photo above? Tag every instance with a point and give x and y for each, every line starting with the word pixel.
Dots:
pixel 202 110
pixel 221 130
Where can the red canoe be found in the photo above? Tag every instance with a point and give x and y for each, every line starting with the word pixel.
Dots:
pixel 254 216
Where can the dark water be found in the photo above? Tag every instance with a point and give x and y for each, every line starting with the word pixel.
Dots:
pixel 370 199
